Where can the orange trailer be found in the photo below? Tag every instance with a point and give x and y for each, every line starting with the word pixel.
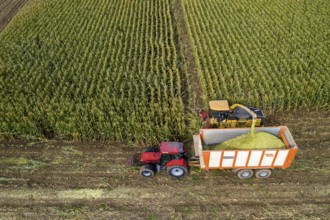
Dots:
pixel 245 163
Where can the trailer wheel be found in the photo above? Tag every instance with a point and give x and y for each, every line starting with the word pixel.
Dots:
pixel 262 174
pixel 244 174
pixel 177 171
pixel 147 171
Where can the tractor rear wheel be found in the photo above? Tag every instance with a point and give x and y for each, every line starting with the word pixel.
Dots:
pixel 244 174
pixel 177 171
pixel 147 171
pixel 262 174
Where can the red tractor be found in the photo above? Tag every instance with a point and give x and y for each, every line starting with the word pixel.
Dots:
pixel 171 157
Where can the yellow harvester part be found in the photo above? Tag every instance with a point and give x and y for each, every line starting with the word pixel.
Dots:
pixel 219 105
pixel 232 122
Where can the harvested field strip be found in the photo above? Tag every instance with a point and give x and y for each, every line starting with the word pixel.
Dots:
pixel 92 180
pixel 185 42
pixel 8 9
pixel 320 195
pixel 122 197
pixel 110 209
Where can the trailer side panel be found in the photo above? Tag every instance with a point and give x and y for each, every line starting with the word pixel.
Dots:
pixel 252 159
pixel 244 159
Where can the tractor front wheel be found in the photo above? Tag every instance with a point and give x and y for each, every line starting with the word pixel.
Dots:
pixel 147 171
pixel 177 171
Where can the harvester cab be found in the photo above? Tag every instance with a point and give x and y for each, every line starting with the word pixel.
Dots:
pixel 237 115
pixel 170 157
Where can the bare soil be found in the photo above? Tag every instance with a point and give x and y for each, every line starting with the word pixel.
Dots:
pixel 8 8
pixel 188 54
pixel 56 179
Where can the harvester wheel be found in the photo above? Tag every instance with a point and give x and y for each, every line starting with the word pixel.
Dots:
pixel 177 171
pixel 262 174
pixel 244 174
pixel 147 171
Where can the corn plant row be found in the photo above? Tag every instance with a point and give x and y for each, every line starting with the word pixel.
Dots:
pixel 272 54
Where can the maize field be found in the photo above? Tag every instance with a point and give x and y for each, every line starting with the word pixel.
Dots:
pixel 117 70
pixel 271 54
pixel 77 76
pixel 96 70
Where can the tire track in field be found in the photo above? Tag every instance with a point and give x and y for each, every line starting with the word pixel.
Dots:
pixel 8 11
pixel 237 195
pixel 192 72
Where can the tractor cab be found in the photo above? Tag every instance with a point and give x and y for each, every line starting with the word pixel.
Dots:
pixel 171 148
pixel 223 116
pixel 171 151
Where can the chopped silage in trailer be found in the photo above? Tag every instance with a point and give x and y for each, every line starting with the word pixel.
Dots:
pixel 260 140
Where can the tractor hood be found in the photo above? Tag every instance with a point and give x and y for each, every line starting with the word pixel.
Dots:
pixel 171 147
pixel 150 156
